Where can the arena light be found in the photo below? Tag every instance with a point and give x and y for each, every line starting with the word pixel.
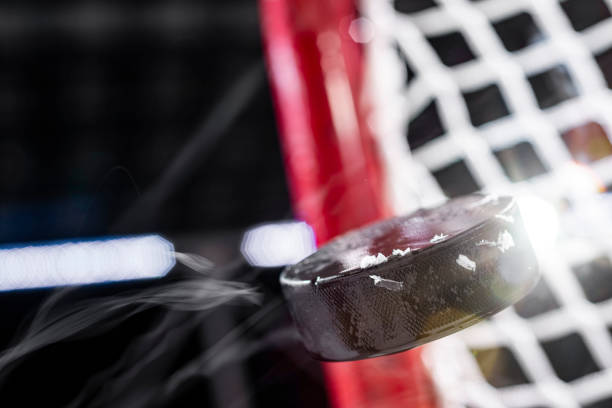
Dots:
pixel 580 180
pixel 279 244
pixel 84 262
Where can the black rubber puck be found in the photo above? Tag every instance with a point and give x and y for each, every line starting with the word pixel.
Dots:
pixel 403 282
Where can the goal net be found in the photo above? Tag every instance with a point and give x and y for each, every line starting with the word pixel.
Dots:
pixel 509 97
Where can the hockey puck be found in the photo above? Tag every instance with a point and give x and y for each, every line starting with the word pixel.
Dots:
pixel 403 282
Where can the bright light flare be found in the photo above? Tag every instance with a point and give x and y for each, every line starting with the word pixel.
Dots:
pixel 541 222
pixel 281 244
pixel 83 262
pixel 581 180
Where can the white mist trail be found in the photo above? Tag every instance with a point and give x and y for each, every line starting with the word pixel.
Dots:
pixel 55 322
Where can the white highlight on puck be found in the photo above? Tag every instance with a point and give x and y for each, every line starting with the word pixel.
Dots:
pixel 489 198
pixel 322 280
pixel 508 218
pixel 294 282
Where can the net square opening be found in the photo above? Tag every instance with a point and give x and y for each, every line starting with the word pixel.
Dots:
pixel 520 162
pixel 452 48
pixel 485 105
pixel 499 367
pixel 456 179
pixel 604 61
pixel 518 31
pixel 604 403
pixel 540 300
pixel 585 13
pixel 405 63
pixel 552 86
pixel 587 143
pixel 412 6
pixel 595 277
pixel 425 126
pixel 570 357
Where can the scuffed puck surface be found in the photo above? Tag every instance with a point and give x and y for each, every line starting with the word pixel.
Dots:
pixel 400 283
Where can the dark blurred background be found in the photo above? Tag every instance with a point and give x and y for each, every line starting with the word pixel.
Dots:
pixel 144 116
pixel 97 98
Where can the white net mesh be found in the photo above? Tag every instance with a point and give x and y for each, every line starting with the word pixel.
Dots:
pixel 511 97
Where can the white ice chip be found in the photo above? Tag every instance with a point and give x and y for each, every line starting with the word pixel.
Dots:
pixel 438 238
pixel 371 260
pixel 387 283
pixel 82 262
pixel 504 242
pixel 399 252
pixel 466 263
